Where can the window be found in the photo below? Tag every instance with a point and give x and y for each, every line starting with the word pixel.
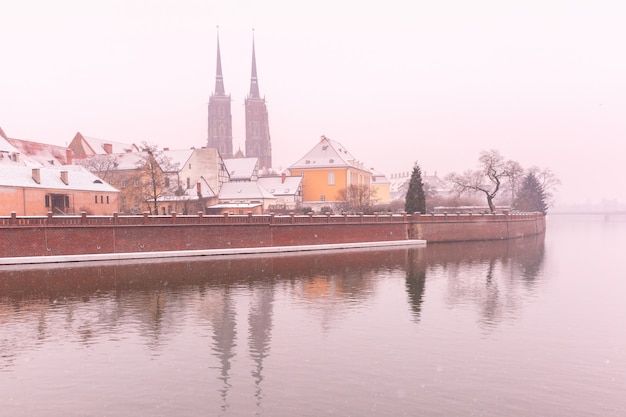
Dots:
pixel 107 199
pixel 101 199
pixel 67 201
pixel 95 199
pixel 47 200
pixel 167 181
pixel 331 178
pixel 123 183
pixel 136 184
pixel 322 198
pixel 188 183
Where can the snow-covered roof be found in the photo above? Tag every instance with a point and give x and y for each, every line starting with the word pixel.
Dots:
pixel 42 153
pixel 50 178
pixel 281 186
pixel 241 169
pixel 378 177
pixel 177 158
pixel 98 145
pixel 400 184
pixel 328 153
pixel 234 205
pixel 244 191
pixel 119 161
pixel 6 146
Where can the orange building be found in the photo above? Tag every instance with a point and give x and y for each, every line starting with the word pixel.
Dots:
pixel 328 171
pixel 63 190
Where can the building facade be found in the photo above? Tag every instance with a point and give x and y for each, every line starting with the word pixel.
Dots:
pixel 64 190
pixel 258 142
pixel 220 126
pixel 220 132
pixel 328 172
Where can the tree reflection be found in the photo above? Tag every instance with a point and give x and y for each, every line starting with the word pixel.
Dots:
pixel 416 281
pixel 495 276
pixel 233 298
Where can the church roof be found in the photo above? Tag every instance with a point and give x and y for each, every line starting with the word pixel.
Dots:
pixel 254 81
pixel 328 153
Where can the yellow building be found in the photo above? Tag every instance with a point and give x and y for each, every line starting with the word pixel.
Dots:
pixel 330 174
pixel 381 187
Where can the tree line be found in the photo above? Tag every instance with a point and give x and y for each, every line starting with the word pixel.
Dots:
pixel 529 190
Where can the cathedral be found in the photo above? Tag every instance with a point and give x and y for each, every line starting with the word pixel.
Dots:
pixel 220 132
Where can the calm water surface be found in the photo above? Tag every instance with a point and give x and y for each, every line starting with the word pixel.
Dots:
pixel 530 327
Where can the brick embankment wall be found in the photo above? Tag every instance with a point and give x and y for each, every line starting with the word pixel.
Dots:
pixel 77 235
pixel 473 227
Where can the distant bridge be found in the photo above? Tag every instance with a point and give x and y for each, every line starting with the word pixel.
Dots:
pixel 598 212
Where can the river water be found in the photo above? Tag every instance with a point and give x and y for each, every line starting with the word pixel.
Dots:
pixel 528 327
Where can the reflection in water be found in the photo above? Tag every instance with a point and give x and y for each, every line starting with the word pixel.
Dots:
pixel 487 274
pixel 260 325
pixel 97 303
pixel 224 338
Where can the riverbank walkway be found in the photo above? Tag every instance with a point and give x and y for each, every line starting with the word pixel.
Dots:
pixel 29 260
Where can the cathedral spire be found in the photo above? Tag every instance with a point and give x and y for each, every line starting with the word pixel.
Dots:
pixel 254 82
pixel 219 80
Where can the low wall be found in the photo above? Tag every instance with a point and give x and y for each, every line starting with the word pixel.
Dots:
pixel 468 227
pixel 76 235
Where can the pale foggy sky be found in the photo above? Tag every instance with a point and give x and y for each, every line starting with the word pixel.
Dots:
pixel 544 82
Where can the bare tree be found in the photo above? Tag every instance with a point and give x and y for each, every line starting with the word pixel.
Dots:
pixel 154 167
pixel 488 179
pixel 101 165
pixel 357 198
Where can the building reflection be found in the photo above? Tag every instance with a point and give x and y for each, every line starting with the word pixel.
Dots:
pixel 234 297
pixel 260 333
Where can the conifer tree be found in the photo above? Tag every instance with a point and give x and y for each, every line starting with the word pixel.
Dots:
pixel 531 196
pixel 415 201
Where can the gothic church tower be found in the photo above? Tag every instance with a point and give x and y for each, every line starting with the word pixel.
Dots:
pixel 257 124
pixel 220 117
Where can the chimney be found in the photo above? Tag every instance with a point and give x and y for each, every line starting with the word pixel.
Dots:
pixel 108 148
pixel 64 177
pixel 37 175
pixel 283 176
pixel 68 157
pixel 199 189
